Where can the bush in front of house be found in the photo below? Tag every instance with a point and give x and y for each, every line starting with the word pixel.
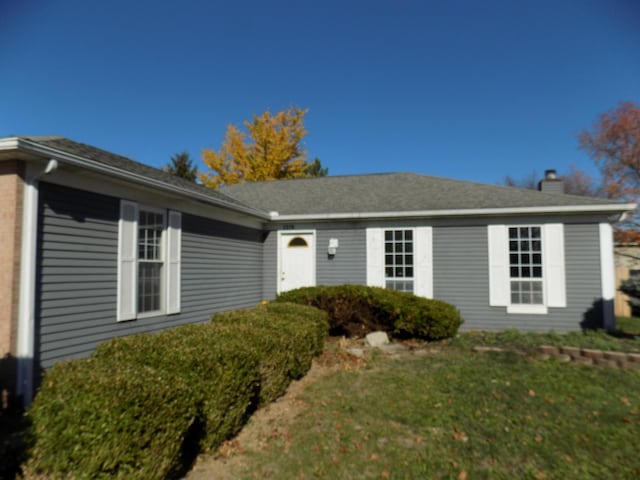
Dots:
pixel 353 310
pixel 285 337
pixel 631 288
pixel 356 310
pixel 141 407
pixel 100 418
pixel 222 371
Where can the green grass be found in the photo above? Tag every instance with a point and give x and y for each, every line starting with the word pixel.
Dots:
pixel 455 415
pixel 623 340
pixel 629 325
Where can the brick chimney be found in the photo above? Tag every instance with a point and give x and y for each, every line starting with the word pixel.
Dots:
pixel 551 183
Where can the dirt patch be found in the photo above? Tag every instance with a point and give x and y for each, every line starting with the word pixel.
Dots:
pixel 271 422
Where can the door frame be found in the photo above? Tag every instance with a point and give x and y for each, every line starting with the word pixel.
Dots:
pixel 282 234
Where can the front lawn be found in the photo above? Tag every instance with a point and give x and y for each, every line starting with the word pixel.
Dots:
pixel 454 414
pixel 619 341
pixel 629 325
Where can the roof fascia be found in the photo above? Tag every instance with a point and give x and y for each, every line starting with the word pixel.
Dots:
pixel 607 208
pixel 75 160
pixel 17 143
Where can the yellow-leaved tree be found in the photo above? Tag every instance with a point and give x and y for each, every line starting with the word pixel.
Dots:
pixel 271 148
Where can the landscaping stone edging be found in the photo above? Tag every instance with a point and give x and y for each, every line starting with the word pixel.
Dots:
pixel 589 356
pixel 582 356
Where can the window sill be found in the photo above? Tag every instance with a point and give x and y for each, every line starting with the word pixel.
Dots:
pixel 155 313
pixel 527 309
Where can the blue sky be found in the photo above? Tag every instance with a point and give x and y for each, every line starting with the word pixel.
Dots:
pixel 474 90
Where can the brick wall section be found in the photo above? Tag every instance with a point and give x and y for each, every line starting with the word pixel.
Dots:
pixel 11 190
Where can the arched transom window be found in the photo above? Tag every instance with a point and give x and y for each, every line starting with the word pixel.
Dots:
pixel 298 242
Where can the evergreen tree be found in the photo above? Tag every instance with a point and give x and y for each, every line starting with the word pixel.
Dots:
pixel 315 169
pixel 182 166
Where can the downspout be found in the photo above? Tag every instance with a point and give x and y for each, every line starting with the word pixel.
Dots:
pixel 607 276
pixel 26 307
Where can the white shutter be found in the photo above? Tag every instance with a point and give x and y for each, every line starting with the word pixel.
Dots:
pixel 423 275
pixel 553 265
pixel 375 257
pixel 173 262
pixel 127 261
pixel 499 291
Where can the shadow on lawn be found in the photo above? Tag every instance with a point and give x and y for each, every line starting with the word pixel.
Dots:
pixel 593 320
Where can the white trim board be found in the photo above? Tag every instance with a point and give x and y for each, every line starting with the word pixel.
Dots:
pixel 131 177
pixel 607 208
pixel 607 275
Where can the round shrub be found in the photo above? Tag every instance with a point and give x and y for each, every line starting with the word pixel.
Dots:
pixel 353 310
pixel 285 337
pixel 222 371
pixel 356 310
pixel 107 419
pixel 427 319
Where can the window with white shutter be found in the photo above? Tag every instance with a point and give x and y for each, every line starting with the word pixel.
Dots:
pixel 148 261
pixel 401 259
pixel 526 267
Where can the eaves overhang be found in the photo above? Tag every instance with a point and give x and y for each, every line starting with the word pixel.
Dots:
pixel 614 208
pixel 25 145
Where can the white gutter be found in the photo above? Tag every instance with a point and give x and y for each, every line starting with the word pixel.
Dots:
pixel 25 347
pixel 608 208
pixel 14 143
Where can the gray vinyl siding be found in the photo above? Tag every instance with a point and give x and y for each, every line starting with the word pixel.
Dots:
pixel 461 269
pixel 221 267
pixel 77 268
pixel 349 265
pixel 461 278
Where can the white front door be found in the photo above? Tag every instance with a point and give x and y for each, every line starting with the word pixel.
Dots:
pixel 297 261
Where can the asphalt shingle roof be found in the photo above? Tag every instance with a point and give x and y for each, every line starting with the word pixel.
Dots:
pixel 392 192
pixel 354 194
pixel 126 164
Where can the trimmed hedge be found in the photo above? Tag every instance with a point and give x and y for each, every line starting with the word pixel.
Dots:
pixel 108 419
pixel 288 338
pixel 356 310
pixel 221 371
pixel 142 406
